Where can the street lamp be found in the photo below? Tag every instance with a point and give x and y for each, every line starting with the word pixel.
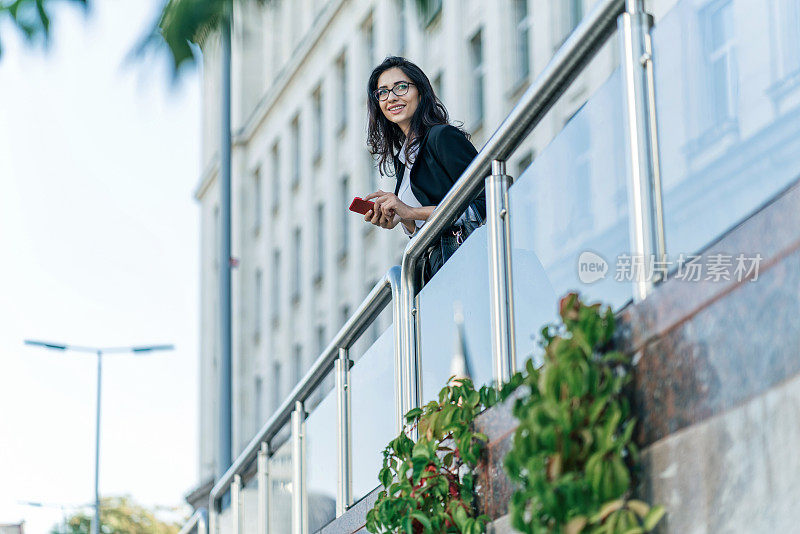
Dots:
pixel 62 506
pixel 99 351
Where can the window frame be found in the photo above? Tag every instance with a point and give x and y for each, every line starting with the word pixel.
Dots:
pixel 477 58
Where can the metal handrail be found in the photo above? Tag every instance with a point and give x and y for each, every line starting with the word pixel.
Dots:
pixel 568 62
pixel 374 303
pixel 401 284
pixel 199 519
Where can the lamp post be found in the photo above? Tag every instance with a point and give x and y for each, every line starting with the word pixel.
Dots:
pixel 62 506
pixel 99 351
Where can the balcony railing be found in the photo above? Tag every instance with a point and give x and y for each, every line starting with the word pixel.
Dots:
pixel 505 276
pixel 197 523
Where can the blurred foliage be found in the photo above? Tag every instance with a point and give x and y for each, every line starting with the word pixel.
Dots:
pixel 183 24
pixel 31 17
pixel 573 455
pixel 119 515
pixel 429 485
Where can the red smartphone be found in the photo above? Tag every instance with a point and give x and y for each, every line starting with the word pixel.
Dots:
pixel 359 205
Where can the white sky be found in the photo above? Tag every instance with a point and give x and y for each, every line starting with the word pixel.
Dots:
pixel 99 241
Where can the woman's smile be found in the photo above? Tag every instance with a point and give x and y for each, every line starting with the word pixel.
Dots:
pixel 402 99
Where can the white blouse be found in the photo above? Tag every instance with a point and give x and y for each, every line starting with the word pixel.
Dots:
pixel 405 193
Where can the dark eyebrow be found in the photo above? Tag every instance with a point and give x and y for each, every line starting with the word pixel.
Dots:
pixel 395 83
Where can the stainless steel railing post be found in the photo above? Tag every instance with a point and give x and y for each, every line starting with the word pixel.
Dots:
pixel 236 504
pixel 299 523
pixel 262 475
pixel 501 287
pixel 393 277
pixel 410 364
pixel 196 524
pixel 641 133
pixel 344 441
pixel 202 523
pixel 579 48
pixel 213 517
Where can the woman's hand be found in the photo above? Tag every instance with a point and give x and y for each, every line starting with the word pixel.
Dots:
pixel 378 218
pixel 389 205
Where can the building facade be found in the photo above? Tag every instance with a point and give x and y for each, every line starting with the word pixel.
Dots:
pixel 299 157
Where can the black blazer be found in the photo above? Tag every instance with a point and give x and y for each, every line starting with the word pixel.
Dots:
pixel 444 153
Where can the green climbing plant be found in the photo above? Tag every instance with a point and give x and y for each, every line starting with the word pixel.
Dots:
pixel 429 485
pixel 573 453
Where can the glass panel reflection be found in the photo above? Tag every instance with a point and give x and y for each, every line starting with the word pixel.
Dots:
pixel 280 489
pixel 250 505
pixel 320 444
pixel 225 519
pixel 458 292
pixel 569 217
pixel 372 397
pixel 728 102
pixel 570 204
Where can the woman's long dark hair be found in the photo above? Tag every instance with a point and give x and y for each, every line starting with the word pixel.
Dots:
pixel 385 138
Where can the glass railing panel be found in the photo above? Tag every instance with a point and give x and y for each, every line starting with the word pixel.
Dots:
pixel 321 461
pixel 280 487
pixel 728 102
pixel 570 204
pixel 250 505
pixel 372 398
pixel 225 520
pixel 569 217
pixel 454 313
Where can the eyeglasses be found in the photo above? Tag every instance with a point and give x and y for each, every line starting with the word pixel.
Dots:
pixel 400 89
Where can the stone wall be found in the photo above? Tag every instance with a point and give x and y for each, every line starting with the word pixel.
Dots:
pixel 716 391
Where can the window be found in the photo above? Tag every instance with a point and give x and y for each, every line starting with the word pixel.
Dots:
pixel 341 83
pixel 373 174
pixel 720 63
pixel 319 268
pixel 524 162
pixel 345 313
pixel 319 135
pixel 258 296
pixel 429 11
pixel 276 178
pixel 436 83
pixel 276 386
pixel 294 22
pixel 344 195
pixel 401 26
pixel 573 14
pixel 788 18
pixel 275 297
pixel 368 34
pixel 577 202
pixel 295 129
pixel 259 401
pixel 321 339
pixel 296 264
pixel 276 35
pixel 476 57
pixel 522 38
pixel 297 364
pixel 257 199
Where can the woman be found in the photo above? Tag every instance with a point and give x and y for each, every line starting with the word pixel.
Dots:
pixel 411 138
